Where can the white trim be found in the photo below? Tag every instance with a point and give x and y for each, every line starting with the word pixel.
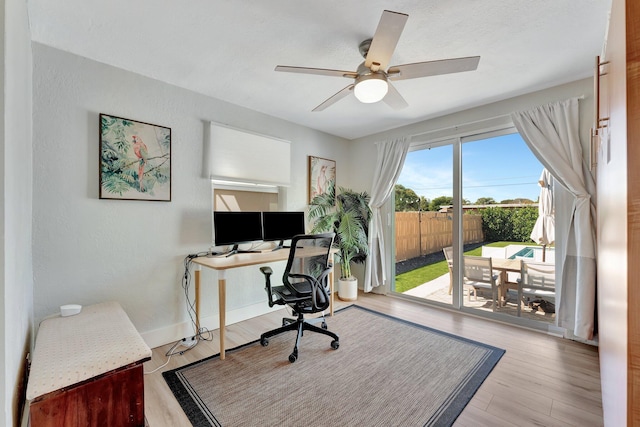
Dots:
pixel 486 134
pixel 463 130
pixel 175 332
pixel 244 186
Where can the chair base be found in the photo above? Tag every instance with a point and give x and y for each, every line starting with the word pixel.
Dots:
pixel 300 325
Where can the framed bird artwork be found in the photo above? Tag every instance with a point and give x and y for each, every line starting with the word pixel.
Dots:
pixel 135 160
pixel 322 175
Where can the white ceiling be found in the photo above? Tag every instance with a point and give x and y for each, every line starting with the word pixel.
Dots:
pixel 228 50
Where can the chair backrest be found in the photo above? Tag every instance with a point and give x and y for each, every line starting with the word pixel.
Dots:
pixel 448 254
pixel 478 269
pixel 308 267
pixel 538 275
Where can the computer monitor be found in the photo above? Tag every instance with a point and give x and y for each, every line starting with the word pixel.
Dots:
pixel 233 228
pixel 281 226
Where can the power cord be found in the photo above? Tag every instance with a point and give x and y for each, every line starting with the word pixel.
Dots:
pixel 202 334
pixel 160 367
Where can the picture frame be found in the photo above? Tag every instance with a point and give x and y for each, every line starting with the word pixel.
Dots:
pixel 322 174
pixel 135 160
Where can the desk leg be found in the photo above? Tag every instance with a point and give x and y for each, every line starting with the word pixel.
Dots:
pixel 331 289
pixel 197 292
pixel 222 297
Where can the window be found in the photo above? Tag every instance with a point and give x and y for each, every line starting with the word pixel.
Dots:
pixel 448 193
pixel 240 197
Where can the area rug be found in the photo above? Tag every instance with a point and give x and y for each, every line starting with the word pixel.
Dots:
pixel 386 372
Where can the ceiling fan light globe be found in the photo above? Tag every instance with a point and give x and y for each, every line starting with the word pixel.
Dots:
pixel 370 89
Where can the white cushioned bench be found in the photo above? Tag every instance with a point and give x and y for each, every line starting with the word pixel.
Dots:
pixel 87 370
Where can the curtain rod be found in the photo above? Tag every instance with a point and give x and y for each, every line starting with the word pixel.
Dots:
pixel 480 121
pixel 468 128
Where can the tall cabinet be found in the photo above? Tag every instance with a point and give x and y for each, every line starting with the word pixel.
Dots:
pixel 618 222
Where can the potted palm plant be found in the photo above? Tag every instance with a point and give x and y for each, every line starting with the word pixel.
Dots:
pixel 347 214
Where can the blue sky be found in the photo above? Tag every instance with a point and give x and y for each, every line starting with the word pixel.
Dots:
pixel 501 167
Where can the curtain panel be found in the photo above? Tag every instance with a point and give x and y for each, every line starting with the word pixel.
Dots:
pixel 552 133
pixel 391 156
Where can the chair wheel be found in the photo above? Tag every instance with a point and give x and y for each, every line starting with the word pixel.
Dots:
pixel 264 342
pixel 335 344
pixel 292 357
pixel 324 325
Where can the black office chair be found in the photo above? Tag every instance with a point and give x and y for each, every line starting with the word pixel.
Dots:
pixel 305 288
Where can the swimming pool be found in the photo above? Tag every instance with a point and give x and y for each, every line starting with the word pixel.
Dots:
pixel 533 253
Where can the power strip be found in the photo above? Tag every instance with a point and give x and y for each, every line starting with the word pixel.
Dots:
pixel 189 342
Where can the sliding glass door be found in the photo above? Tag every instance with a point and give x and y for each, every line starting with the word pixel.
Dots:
pixel 424 224
pixel 474 199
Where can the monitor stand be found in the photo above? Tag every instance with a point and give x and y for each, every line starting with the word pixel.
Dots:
pixel 279 246
pixel 235 250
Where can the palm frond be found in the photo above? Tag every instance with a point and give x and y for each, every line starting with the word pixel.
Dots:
pixel 347 214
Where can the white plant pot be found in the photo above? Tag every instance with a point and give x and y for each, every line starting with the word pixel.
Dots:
pixel 348 289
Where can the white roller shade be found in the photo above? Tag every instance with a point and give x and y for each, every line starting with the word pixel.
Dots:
pixel 243 156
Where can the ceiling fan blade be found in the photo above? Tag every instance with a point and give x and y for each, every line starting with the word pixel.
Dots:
pixel 394 99
pixel 318 71
pixel 385 39
pixel 335 98
pixel 433 68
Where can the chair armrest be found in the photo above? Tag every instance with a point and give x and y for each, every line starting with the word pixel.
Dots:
pixel 315 284
pixel 267 271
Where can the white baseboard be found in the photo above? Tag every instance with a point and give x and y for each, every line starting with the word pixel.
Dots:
pixel 172 333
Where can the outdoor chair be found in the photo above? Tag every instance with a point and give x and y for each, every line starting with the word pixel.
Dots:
pixel 537 282
pixel 478 273
pixel 448 254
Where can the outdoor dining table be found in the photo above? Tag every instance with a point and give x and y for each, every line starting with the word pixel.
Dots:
pixel 505 266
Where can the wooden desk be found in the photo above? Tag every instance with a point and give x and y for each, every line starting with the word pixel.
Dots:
pixel 223 263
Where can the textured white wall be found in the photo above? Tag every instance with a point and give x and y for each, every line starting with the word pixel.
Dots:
pixel 16 291
pixel 88 250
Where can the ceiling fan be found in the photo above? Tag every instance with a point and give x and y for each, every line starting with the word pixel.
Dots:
pixel 371 82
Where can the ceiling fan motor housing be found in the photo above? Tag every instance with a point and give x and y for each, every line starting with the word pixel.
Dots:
pixel 364 47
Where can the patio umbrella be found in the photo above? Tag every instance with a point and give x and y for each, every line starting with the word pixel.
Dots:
pixel 544 230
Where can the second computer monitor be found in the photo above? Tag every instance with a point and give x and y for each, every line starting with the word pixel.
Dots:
pixel 281 226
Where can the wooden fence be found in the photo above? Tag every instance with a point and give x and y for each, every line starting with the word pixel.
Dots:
pixel 421 233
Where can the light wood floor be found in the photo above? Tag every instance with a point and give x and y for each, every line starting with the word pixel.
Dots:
pixel 540 381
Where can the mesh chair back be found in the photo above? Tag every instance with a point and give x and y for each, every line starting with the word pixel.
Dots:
pixel 308 268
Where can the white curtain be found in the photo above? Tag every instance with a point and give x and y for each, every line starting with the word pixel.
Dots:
pixel 391 155
pixel 552 133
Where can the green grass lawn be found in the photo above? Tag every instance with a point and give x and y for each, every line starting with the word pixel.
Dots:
pixel 411 279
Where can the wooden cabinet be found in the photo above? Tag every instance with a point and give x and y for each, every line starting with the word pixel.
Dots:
pixel 114 399
pixel 87 370
pixel 618 181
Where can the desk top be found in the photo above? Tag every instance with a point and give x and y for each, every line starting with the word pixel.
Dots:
pixel 222 262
